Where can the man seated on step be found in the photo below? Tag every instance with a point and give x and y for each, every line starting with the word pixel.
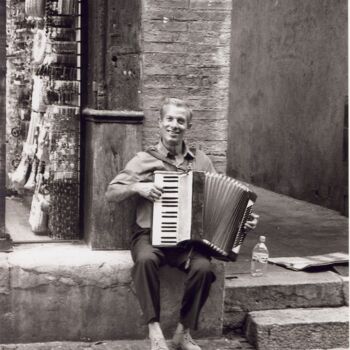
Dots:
pixel 171 154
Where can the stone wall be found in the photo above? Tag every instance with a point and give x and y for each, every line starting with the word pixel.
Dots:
pixel 186 54
pixel 70 293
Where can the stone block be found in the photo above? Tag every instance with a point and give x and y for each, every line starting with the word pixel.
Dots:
pixel 202 80
pixel 165 58
pixel 300 329
pixel 165 25
pixel 224 26
pixel 165 47
pixel 150 68
pixel 176 37
pixel 279 290
pixel 186 15
pixel 210 59
pixel 210 38
pixel 167 4
pixel 199 102
pixel 211 4
pixel 70 293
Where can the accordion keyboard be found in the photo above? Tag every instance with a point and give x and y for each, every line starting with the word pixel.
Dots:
pixel 168 217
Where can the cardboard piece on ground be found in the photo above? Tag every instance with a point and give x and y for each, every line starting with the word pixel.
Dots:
pixel 302 263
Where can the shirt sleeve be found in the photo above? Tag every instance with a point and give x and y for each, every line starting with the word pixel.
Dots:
pixel 138 169
pixel 204 163
pixel 130 174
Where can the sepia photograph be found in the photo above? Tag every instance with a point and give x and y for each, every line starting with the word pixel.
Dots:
pixel 174 175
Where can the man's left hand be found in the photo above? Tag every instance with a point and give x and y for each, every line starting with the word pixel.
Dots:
pixel 252 222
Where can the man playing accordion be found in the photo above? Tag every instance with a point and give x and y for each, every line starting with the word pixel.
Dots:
pixel 170 154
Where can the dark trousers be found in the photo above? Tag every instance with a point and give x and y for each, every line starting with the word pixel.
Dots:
pixel 145 274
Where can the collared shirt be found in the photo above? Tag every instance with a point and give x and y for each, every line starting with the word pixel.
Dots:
pixel 141 169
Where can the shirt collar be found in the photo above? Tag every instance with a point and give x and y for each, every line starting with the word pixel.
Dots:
pixel 188 154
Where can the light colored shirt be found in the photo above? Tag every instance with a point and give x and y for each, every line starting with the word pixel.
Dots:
pixel 141 169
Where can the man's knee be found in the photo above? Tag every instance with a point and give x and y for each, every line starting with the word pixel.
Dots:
pixel 147 259
pixel 202 267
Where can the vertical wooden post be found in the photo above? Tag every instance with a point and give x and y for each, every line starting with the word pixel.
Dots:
pixel 111 118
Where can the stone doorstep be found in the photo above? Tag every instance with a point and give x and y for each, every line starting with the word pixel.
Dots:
pixel 300 329
pixel 66 292
pixel 238 343
pixel 280 289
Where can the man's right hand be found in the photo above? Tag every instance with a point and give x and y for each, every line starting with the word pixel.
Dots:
pixel 148 190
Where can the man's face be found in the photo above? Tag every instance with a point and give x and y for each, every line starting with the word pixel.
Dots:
pixel 173 125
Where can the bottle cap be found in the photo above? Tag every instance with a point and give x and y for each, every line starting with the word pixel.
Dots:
pixel 262 239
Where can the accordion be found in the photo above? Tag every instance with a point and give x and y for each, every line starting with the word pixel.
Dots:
pixel 201 209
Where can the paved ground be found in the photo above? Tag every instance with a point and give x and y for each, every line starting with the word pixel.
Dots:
pixel 236 343
pixel 17 216
pixel 293 228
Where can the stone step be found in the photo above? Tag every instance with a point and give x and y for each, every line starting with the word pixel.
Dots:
pixel 66 292
pixel 206 344
pixel 281 289
pixel 300 329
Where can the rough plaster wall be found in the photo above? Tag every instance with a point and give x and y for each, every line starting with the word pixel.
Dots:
pixel 287 95
pixel 186 47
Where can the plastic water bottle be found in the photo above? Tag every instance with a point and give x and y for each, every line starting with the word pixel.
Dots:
pixel 260 256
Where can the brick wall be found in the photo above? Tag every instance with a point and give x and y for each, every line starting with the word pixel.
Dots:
pixel 186 54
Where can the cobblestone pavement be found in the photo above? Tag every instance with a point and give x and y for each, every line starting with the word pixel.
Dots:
pixel 237 343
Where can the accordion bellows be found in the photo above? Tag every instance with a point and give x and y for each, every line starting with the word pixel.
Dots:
pixel 203 209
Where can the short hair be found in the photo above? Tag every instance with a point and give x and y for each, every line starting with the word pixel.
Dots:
pixel 177 103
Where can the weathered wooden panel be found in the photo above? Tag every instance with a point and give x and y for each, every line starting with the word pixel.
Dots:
pixel 94 44
pixel 122 57
pixel 113 55
pixel 2 115
pixel 287 95
pixel 110 144
pixel 112 82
